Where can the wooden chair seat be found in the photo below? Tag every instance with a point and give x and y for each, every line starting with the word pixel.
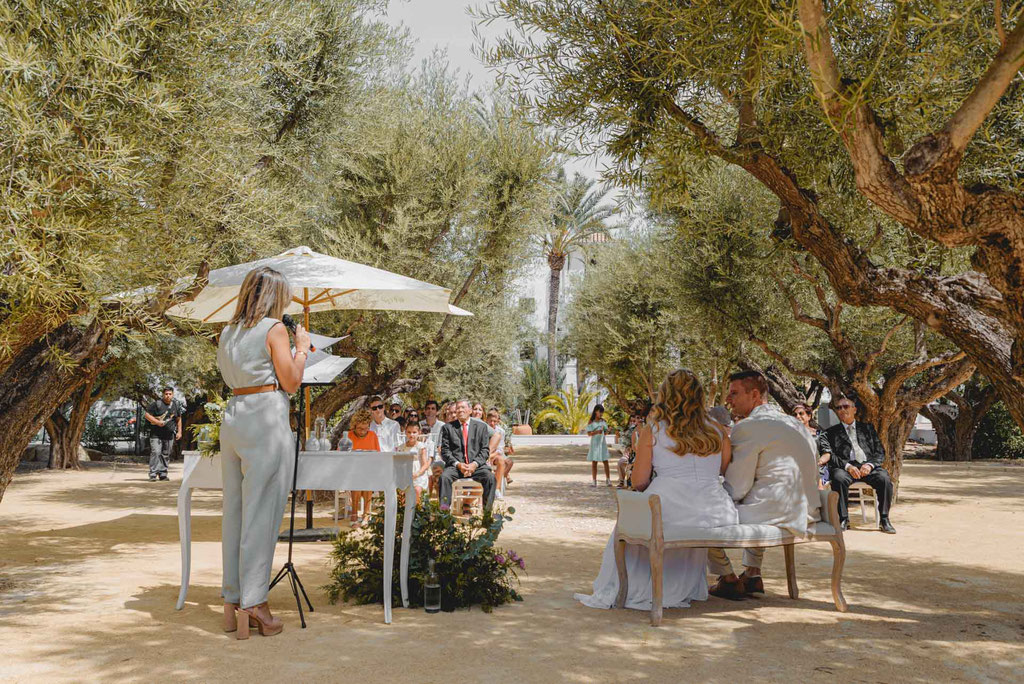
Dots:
pixel 863 493
pixel 467 494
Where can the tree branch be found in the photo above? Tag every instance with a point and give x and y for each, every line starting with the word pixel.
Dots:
pixel 871 358
pixel 704 135
pixel 952 375
pixel 904 371
pixel 747 129
pixel 876 176
pixel 798 314
pixel 787 364
pixel 976 107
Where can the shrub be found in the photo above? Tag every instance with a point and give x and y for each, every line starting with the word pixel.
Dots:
pixel 100 434
pixel 473 570
pixel 998 435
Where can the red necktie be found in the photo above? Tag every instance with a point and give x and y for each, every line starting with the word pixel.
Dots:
pixel 465 440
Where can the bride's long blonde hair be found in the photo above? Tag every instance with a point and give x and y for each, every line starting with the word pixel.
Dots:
pixel 680 403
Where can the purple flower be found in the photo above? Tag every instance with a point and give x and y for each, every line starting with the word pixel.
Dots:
pixel 522 564
pixel 499 559
pixel 445 507
pixel 513 556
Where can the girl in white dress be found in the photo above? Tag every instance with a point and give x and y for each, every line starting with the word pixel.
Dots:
pixel 421 479
pixel 680 454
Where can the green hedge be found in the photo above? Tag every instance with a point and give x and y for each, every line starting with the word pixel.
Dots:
pixel 998 435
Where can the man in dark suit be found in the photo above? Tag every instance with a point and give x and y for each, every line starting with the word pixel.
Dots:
pixel 857 455
pixel 464 450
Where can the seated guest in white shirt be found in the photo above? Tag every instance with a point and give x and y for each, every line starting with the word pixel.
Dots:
pixel 388 432
pixel 431 426
pixel 857 455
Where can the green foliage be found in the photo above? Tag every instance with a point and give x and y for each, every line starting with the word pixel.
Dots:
pixel 998 435
pixel 622 320
pixel 431 181
pixel 580 212
pixel 208 434
pixel 534 387
pixel 100 434
pixel 569 409
pixel 473 570
pixel 136 137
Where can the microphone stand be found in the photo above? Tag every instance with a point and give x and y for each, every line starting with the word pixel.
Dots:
pixel 288 570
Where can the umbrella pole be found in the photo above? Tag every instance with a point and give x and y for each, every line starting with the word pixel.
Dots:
pixel 305 390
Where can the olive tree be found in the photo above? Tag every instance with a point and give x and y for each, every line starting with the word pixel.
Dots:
pixel 904 115
pixel 142 142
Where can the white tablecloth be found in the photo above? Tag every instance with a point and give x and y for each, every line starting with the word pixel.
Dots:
pixel 349 470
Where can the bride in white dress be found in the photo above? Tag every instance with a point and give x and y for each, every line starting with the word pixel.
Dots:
pixel 680 454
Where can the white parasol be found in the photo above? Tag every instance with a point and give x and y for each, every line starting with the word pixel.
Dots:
pixel 319 283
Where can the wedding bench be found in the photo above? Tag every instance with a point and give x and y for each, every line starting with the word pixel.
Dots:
pixel 639 522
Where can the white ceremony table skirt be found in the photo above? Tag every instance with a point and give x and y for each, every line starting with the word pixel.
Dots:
pixel 373 471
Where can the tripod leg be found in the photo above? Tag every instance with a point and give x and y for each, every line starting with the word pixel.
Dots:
pixel 302 589
pixel 298 601
pixel 280 576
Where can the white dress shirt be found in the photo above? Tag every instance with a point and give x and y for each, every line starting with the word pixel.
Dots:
pixel 389 434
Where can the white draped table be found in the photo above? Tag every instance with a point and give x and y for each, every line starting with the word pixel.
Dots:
pixel 384 471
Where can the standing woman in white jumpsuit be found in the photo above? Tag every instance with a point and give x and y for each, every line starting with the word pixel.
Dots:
pixel 255 359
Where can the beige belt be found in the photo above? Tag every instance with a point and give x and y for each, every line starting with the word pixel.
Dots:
pixel 254 390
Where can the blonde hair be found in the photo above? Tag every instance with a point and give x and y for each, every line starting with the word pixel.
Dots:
pixel 264 294
pixel 680 404
pixel 361 416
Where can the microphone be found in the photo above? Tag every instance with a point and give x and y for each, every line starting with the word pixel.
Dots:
pixel 289 323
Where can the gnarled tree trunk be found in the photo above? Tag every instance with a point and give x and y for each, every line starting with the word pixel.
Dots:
pixel 35 383
pixel 66 431
pixel 956 424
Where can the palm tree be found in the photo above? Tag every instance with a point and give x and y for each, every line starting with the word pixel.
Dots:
pixel 568 408
pixel 579 215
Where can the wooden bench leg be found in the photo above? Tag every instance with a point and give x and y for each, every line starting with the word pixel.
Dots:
pixel 656 556
pixel 620 565
pixel 838 560
pixel 789 552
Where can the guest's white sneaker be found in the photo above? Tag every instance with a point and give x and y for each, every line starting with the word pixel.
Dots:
pixel 499 496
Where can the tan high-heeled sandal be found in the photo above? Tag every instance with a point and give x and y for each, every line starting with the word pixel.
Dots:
pixel 230 617
pixel 268 628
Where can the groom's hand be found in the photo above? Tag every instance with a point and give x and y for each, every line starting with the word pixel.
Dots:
pixel 854 471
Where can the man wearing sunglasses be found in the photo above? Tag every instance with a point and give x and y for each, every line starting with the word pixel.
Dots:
pixel 389 432
pixel 857 455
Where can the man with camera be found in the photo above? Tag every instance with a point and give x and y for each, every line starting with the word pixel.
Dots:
pixel 164 418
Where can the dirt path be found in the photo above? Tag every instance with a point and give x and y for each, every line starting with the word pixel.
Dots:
pixel 89 574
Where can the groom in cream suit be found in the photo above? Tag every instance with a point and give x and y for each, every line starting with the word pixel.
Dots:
pixel 773 478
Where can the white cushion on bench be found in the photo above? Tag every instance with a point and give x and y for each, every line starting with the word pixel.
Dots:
pixel 746 535
pixel 769 534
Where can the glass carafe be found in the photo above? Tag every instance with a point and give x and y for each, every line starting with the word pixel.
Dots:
pixel 320 431
pixel 432 590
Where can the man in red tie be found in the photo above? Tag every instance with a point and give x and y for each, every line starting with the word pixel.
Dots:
pixel 464 449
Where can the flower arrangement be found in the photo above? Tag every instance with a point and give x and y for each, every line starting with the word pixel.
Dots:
pixel 208 434
pixel 473 570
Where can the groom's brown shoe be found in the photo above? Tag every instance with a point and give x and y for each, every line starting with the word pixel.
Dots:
pixel 752 584
pixel 732 591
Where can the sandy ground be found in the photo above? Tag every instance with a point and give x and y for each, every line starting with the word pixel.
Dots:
pixel 89 574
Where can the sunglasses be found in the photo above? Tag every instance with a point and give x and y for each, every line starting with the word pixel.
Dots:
pixel 378 407
pixel 845 407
